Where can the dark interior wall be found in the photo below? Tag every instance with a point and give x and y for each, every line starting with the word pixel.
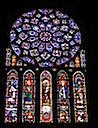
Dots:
pixel 86 16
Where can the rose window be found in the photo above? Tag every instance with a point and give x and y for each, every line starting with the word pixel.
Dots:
pixel 45 37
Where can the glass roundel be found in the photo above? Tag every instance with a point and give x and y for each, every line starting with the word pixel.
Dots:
pixel 45 37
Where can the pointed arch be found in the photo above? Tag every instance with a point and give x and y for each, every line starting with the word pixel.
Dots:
pixel 63 103
pixel 79 93
pixel 28 97
pixel 46 112
pixel 11 97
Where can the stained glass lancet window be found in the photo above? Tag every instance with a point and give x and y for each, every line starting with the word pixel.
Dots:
pixel 11 96
pixel 80 102
pixel 63 95
pixel 46 105
pixel 46 39
pixel 28 97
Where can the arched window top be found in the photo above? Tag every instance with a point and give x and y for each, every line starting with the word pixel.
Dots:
pixel 45 73
pixel 12 74
pixel 45 37
pixel 62 73
pixel 12 71
pixel 79 74
pixel 29 72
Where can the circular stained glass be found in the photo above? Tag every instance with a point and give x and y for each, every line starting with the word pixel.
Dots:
pixel 46 37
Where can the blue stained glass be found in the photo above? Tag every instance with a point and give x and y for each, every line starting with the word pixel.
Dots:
pixel 54 29
pixel 55 44
pixel 52 16
pixel 68 37
pixel 45 64
pixel 48 26
pixel 19 29
pixel 18 22
pixel 12 35
pixel 41 47
pixel 36 28
pixel 31 33
pixel 23 36
pixel 35 44
pixel 64 28
pixel 47 31
pixel 60 40
pixel 26 20
pixel 25 45
pixel 32 39
pixel 64 59
pixel 78 37
pixel 16 49
pixel 34 21
pixel 15 82
pixel 49 47
pixel 58 33
pixel 26 27
pixel 45 55
pixel 73 24
pixel 45 19
pixel 72 42
pixel 42 26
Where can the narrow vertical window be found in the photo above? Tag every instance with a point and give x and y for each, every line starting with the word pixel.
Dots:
pixel 63 103
pixel 28 97
pixel 46 112
pixel 11 103
pixel 80 102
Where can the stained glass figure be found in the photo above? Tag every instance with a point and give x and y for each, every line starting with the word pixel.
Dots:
pixel 80 102
pixel 11 103
pixel 63 103
pixel 45 37
pixel 46 109
pixel 83 58
pixel 8 56
pixel 28 97
pixel 77 62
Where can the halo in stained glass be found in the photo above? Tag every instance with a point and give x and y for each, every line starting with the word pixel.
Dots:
pixel 46 37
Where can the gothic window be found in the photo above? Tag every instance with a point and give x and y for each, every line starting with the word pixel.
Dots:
pixel 80 103
pixel 46 108
pixel 63 95
pixel 11 97
pixel 45 54
pixel 28 97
